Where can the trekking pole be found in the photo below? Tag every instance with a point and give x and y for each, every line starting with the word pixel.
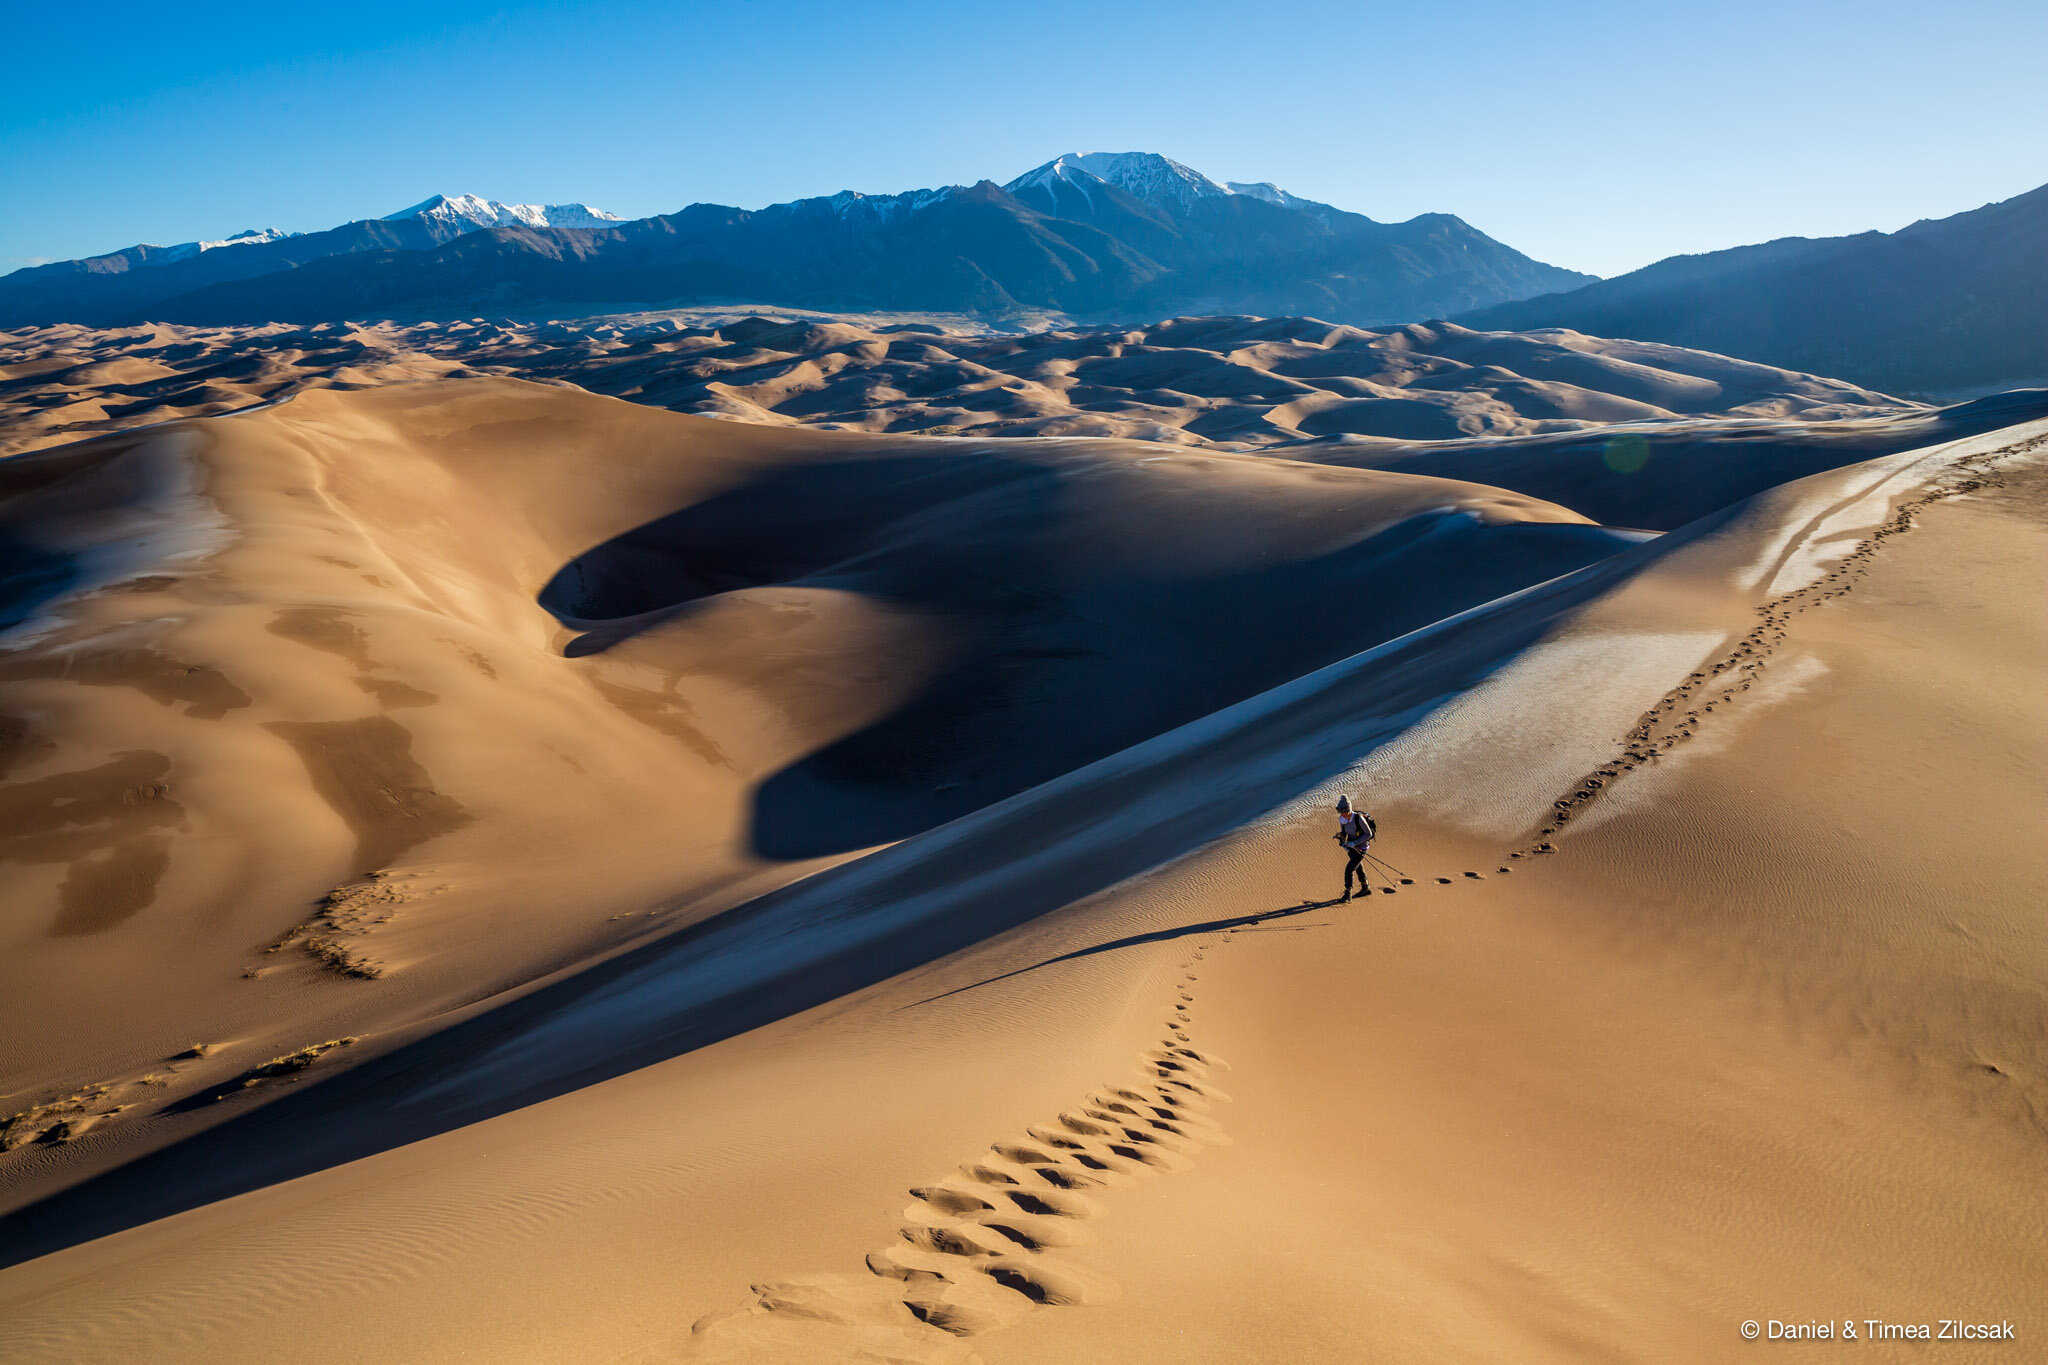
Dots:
pixel 1388 866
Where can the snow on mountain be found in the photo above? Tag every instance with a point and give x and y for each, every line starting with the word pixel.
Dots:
pixel 881 208
pixel 1068 183
pixel 1066 186
pixel 1157 180
pixel 467 213
pixel 1272 194
pixel 252 237
pixel 1062 172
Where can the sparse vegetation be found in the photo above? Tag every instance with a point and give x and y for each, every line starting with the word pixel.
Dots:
pixel 60 1119
pixel 346 912
pixel 331 952
pixel 291 1063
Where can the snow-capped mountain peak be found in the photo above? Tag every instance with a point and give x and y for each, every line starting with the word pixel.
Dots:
pixel 467 213
pixel 884 208
pixel 1061 170
pixel 247 237
pixel 252 237
pixel 1156 180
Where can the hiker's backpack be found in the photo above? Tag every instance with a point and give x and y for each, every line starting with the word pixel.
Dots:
pixel 1372 831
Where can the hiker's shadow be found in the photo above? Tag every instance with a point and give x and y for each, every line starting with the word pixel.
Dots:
pixel 1262 920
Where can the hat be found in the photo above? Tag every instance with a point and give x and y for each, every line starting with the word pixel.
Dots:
pixel 1343 803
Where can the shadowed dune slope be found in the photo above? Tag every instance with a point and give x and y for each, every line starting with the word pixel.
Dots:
pixel 1660 476
pixel 330 718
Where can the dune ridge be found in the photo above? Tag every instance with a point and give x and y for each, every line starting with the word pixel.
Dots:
pixel 1224 382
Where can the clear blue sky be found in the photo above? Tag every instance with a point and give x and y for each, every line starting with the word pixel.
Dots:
pixel 1593 135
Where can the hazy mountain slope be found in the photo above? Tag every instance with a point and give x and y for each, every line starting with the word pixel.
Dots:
pixel 1070 241
pixel 131 283
pixel 126 284
pixel 974 250
pixel 1948 304
pixel 1258 249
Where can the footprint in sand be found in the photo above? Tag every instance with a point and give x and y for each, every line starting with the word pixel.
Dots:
pixel 1751 654
pixel 976 1251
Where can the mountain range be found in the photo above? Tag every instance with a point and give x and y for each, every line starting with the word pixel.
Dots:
pixel 136 281
pixel 1944 306
pixel 1124 234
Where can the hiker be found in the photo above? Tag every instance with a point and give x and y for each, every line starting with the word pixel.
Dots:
pixel 1355 831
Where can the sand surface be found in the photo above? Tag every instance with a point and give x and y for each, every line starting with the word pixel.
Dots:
pixel 1228 382
pixel 335 717
pixel 498 872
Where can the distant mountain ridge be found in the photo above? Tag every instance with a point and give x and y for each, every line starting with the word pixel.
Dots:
pixel 116 286
pixel 1130 234
pixel 1156 180
pixel 466 213
pixel 1950 305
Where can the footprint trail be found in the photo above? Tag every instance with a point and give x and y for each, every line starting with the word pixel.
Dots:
pixel 1679 714
pixel 981 1247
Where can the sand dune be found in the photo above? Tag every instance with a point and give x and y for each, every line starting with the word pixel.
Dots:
pixel 1662 475
pixel 1232 382
pixel 501 871
pixel 1645 1042
pixel 289 694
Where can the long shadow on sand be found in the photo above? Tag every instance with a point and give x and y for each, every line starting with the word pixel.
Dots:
pixel 31 571
pixel 816 940
pixel 829 935
pixel 1262 917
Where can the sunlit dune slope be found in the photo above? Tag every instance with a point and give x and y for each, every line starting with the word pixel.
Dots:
pixel 1697 1003
pixel 1228 382
pixel 326 718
